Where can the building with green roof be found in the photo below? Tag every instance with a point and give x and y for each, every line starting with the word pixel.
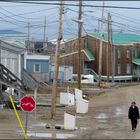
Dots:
pixel 119 38
pixel 123 56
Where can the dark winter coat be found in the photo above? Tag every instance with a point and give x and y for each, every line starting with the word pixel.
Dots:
pixel 133 113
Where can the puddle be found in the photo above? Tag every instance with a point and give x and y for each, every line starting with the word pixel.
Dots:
pixel 49 135
pixel 101 116
pixel 83 128
pixel 81 117
pixel 96 89
pixel 64 136
pixel 103 121
pixel 39 124
pixel 107 133
pixel 44 135
pixel 119 111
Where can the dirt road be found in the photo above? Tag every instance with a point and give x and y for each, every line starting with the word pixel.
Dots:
pixel 109 114
pixel 107 118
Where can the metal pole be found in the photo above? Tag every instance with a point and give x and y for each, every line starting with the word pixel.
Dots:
pixel 45 29
pixel 26 123
pixel 28 47
pixel 0 54
pixel 56 63
pixel 18 118
pixel 101 45
pixel 108 48
pixel 79 43
pixel 113 53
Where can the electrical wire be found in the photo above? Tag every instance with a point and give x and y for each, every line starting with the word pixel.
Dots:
pixel 84 5
pixel 69 26
pixel 12 18
pixel 27 13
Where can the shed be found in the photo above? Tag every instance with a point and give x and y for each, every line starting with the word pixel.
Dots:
pixel 65 74
pixel 38 66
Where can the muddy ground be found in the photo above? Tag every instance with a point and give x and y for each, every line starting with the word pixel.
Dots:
pixel 107 117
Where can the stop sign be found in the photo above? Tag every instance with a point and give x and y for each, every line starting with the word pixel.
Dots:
pixel 27 103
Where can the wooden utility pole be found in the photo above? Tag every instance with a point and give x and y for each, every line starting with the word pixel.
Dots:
pixel 98 25
pixel 45 29
pixel 79 42
pixel 101 45
pixel 28 45
pixel 108 47
pixel 112 55
pixel 56 63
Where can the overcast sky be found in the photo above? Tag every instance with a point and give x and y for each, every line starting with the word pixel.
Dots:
pixel 16 16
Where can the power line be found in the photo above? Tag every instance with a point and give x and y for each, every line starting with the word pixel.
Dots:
pixel 122 24
pixel 27 13
pixel 13 18
pixel 84 5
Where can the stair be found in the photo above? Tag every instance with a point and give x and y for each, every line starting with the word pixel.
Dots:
pixel 90 71
pixel 28 80
pixel 9 79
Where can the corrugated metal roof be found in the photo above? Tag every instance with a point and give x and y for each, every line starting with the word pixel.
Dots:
pixel 16 41
pixel 119 38
pixel 136 61
pixel 38 57
pixel 11 47
pixel 6 32
pixel 89 54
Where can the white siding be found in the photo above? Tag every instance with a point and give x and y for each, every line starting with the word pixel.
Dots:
pixel 10 60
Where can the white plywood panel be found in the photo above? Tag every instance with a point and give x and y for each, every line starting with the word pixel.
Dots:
pixel 69 121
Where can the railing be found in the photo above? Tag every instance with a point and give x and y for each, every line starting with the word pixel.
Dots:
pixel 28 80
pixel 8 77
pixel 90 71
pixel 137 73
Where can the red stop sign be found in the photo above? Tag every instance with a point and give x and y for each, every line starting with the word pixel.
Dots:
pixel 27 103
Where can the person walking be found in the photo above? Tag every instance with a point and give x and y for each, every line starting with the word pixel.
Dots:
pixel 133 115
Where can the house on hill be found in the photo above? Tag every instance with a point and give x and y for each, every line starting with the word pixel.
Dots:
pixel 126 54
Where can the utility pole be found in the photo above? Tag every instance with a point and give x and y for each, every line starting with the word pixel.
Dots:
pixel 79 42
pixel 28 46
pixel 108 47
pixel 98 25
pixel 112 55
pixel 101 45
pixel 45 29
pixel 56 63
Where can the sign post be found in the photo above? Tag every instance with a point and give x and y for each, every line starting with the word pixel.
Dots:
pixel 27 104
pixel 26 122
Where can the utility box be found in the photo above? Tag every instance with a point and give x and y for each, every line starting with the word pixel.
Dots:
pixel 67 98
pixel 78 94
pixel 69 121
pixel 82 106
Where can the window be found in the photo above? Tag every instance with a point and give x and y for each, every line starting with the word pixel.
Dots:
pixel 136 52
pixel 37 68
pixel 119 68
pixel 74 46
pixel 85 43
pixel 127 53
pixel 128 68
pixel 119 53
